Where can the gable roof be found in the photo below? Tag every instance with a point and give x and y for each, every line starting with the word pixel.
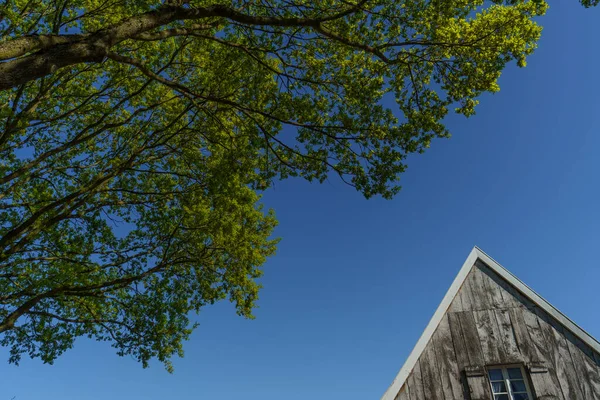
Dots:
pixel 478 254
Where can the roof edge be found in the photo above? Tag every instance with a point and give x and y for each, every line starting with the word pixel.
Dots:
pixel 477 253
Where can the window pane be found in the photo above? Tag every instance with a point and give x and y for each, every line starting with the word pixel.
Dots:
pixel 518 386
pixel 514 373
pixel 499 387
pixel 495 374
pixel 501 397
pixel 520 396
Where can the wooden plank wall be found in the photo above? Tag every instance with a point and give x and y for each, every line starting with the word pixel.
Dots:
pixel 490 323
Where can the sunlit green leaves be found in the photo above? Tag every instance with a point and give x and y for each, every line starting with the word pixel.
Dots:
pixel 130 188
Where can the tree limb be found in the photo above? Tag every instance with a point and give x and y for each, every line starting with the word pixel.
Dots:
pixel 58 51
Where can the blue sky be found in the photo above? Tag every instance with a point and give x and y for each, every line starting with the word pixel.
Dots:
pixel 355 282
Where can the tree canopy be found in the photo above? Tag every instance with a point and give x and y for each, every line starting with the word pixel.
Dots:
pixel 136 138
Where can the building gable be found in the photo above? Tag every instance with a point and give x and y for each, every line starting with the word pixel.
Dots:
pixel 490 318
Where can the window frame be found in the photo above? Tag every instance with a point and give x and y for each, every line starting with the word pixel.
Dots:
pixel 504 370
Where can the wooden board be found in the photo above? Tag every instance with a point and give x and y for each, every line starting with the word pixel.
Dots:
pixel 462 359
pixel 446 358
pixel 532 342
pixel 489 335
pixel 563 363
pixel 509 342
pixel 522 338
pixel 456 305
pixel 478 385
pixel 585 375
pixel 593 370
pixel 493 292
pixel 478 291
pixel 471 337
pixel 415 384
pixel 465 296
pixel 432 382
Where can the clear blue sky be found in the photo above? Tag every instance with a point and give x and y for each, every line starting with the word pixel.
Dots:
pixel 355 282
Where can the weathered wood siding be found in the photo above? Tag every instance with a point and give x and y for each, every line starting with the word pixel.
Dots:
pixel 490 323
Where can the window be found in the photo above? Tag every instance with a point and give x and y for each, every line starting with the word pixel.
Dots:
pixel 509 383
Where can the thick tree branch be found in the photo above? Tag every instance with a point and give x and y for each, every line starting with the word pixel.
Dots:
pixel 167 33
pixel 93 47
pixel 25 44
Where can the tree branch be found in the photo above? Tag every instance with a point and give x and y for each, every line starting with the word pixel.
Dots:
pixel 93 47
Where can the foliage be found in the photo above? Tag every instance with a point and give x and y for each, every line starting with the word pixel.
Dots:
pixel 137 137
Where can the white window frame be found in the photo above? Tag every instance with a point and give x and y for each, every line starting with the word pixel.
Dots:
pixel 504 370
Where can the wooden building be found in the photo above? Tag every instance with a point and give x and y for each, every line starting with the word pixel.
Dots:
pixel 493 338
